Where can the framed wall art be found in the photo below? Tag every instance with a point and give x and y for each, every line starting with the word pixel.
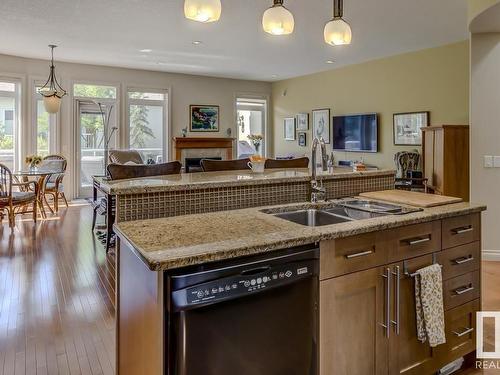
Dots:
pixel 407 128
pixel 289 128
pixel 204 118
pixel 321 124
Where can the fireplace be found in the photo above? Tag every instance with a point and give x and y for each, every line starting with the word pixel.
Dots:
pixel 192 165
pixel 197 148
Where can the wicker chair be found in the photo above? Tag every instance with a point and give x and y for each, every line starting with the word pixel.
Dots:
pixel 287 163
pixel 54 185
pixel 15 202
pixel 209 165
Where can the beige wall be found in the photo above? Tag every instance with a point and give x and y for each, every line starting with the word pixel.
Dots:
pixel 485 132
pixel 435 80
pixel 183 91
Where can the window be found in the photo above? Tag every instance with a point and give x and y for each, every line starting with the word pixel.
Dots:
pixel 9 122
pixel 147 124
pixel 94 91
pixel 44 127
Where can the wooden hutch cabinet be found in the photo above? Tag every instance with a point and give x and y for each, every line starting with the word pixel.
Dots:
pixel 445 150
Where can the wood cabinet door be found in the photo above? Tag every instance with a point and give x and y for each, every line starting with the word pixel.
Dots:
pixel 428 153
pixel 353 309
pixel 407 355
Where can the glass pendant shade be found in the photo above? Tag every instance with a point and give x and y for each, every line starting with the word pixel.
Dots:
pixel 338 32
pixel 52 103
pixel 202 10
pixel 278 20
pixel 51 91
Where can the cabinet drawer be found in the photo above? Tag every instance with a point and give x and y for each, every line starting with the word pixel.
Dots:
pixel 460 328
pixel 414 240
pixel 350 254
pixel 459 260
pixel 461 289
pixel 461 230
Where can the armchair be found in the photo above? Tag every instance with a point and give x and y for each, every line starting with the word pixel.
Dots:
pixel 15 202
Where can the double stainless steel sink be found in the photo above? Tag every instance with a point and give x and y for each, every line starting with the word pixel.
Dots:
pixel 341 212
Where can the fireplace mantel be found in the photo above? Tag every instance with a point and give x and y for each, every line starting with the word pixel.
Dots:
pixel 181 143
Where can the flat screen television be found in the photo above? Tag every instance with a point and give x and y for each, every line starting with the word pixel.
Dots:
pixel 356 132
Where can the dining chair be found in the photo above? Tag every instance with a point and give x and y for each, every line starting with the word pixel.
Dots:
pixel 209 165
pixel 106 205
pixel 121 172
pixel 54 185
pixel 287 163
pixel 15 202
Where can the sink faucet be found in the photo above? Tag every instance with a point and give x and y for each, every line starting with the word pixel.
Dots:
pixel 318 192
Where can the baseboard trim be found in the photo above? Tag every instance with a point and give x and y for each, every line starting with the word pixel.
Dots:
pixel 491 255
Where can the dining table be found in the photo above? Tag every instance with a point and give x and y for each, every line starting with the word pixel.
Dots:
pixel 40 176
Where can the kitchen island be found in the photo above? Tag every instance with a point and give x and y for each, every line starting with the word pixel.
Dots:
pixel 366 326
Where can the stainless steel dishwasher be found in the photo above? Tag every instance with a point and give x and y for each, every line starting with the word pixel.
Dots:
pixel 252 316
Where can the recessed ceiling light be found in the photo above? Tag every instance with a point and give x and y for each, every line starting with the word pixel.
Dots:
pixel 274 76
pixel 330 61
pixel 197 42
pixel 146 50
pixel 162 63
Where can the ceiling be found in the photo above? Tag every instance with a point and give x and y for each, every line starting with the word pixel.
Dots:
pixel 110 32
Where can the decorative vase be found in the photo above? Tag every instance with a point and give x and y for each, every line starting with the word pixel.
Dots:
pixel 256 145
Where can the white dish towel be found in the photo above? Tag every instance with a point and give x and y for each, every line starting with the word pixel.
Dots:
pixel 429 305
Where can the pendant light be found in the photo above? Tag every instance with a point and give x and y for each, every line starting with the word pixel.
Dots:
pixel 202 10
pixel 52 91
pixel 337 31
pixel 278 20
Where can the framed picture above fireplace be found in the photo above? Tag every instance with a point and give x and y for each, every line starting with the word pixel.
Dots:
pixel 204 118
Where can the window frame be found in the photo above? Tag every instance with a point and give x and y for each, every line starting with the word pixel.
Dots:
pixel 166 115
pixel 54 121
pixel 19 114
pixel 266 99
pixel 76 101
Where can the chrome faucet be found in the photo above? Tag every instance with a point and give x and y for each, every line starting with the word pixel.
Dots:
pixel 318 192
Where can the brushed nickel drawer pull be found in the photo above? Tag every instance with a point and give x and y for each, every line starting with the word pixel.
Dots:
pixel 387 323
pixel 419 241
pixel 466 331
pixel 463 230
pixel 463 260
pixel 355 255
pixel 464 289
pixel 398 291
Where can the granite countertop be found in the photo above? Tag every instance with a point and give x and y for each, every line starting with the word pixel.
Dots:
pixel 174 242
pixel 202 180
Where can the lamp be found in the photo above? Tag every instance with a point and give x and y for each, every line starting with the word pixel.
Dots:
pixel 202 10
pixel 52 91
pixel 277 20
pixel 337 31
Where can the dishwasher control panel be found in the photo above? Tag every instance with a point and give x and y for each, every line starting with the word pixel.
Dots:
pixel 245 283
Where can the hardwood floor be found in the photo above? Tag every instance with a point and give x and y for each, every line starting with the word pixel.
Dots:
pixel 56 297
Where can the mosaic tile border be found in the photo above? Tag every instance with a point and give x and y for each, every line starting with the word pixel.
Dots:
pixel 174 203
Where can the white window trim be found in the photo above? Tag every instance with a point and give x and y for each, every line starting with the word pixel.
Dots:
pixel 74 130
pixel 267 135
pixel 166 144
pixel 20 142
